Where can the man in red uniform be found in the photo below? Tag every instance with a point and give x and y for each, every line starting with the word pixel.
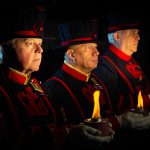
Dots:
pixel 119 71
pixel 71 88
pixel 27 118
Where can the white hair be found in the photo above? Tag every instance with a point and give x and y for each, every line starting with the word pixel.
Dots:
pixel 66 58
pixel 1 54
pixel 7 50
pixel 110 37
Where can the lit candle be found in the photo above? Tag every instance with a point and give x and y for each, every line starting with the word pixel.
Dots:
pixel 96 121
pixel 140 101
pixel 96 110
pixel 140 106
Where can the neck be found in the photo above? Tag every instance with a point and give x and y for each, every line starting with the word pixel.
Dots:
pixel 124 50
pixel 79 69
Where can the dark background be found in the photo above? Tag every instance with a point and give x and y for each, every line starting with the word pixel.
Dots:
pixel 65 10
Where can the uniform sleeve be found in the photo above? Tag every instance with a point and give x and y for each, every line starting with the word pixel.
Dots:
pixel 60 99
pixel 115 124
pixel 3 131
pixel 3 128
pixel 60 137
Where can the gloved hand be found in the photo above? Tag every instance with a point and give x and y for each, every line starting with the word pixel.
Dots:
pixel 133 120
pixel 84 136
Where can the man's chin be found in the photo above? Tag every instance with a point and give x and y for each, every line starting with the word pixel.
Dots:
pixel 134 51
pixel 35 69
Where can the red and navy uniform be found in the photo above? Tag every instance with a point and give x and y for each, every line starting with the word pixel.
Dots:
pixel 123 78
pixel 72 91
pixel 26 112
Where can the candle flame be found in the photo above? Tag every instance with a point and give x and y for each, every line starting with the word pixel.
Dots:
pixel 140 100
pixel 96 110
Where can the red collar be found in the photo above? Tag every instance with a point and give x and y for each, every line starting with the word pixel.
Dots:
pixel 75 73
pixel 119 53
pixel 17 76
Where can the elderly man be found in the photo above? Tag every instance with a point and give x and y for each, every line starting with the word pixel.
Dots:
pixel 120 72
pixel 27 118
pixel 72 87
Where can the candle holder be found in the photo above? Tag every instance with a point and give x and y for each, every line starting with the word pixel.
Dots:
pixel 143 111
pixel 101 124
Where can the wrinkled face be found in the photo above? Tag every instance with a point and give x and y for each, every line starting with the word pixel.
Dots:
pixel 129 40
pixel 29 53
pixel 86 56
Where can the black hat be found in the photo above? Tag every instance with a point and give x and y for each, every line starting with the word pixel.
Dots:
pixel 24 23
pixel 78 32
pixel 122 21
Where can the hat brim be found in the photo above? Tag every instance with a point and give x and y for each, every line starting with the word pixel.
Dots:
pixel 136 25
pixel 7 38
pixel 60 46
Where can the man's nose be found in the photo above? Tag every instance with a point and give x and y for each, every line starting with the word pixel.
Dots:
pixel 39 48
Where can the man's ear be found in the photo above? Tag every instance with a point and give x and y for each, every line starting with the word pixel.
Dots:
pixel 70 53
pixel 116 36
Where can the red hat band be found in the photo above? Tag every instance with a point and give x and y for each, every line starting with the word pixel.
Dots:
pixel 71 42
